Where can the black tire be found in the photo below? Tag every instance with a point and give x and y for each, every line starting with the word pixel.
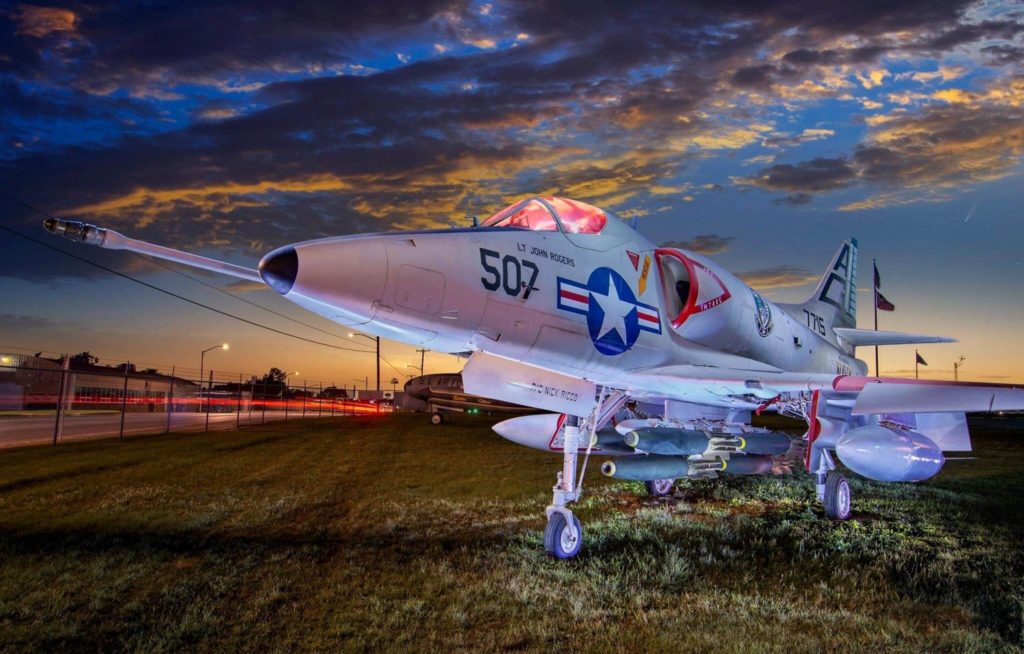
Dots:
pixel 659 487
pixel 837 496
pixel 436 419
pixel 555 544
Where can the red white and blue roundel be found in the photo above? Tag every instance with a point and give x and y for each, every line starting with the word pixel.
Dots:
pixel 614 316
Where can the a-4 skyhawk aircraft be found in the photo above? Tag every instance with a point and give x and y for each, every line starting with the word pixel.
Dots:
pixel 443 393
pixel 567 309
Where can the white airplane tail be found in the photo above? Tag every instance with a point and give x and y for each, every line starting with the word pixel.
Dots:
pixel 832 309
pixel 836 294
pixel 834 302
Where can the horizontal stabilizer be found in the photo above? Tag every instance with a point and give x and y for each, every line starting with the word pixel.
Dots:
pixel 858 337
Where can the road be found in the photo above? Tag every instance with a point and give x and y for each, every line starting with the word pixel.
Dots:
pixel 17 432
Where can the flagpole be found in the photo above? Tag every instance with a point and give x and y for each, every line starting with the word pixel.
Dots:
pixel 874 285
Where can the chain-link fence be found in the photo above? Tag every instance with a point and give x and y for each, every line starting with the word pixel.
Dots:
pixel 51 401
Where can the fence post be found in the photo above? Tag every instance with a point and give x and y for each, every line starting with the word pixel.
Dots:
pixel 238 405
pixel 58 424
pixel 124 399
pixel 263 418
pixel 209 390
pixel 170 401
pixel 284 394
pixel 304 393
pixel 252 398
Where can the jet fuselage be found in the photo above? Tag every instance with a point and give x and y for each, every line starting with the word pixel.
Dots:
pixel 588 305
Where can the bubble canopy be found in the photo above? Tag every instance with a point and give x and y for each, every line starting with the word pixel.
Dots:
pixel 550 214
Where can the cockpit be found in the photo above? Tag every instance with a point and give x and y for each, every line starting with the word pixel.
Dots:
pixel 550 214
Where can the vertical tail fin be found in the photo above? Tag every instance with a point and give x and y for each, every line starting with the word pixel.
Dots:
pixel 834 303
pixel 836 294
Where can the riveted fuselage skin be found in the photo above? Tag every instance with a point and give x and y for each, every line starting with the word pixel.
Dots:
pixel 499 290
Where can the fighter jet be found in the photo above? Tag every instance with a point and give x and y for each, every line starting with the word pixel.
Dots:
pixel 567 309
pixel 444 394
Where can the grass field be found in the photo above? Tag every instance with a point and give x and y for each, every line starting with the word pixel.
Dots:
pixel 390 534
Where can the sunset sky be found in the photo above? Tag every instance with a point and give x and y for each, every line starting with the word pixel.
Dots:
pixel 761 136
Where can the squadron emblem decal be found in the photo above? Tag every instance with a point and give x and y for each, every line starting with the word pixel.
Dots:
pixel 642 284
pixel 614 316
pixel 763 315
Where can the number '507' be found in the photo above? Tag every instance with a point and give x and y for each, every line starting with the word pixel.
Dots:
pixel 507 272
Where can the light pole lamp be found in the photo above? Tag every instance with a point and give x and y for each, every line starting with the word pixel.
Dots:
pixel 376 340
pixel 286 376
pixel 959 363
pixel 202 362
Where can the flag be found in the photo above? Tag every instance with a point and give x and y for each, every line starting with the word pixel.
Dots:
pixel 880 301
pixel 920 359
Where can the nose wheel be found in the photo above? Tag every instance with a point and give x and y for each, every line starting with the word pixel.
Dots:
pixel 560 540
pixel 563 537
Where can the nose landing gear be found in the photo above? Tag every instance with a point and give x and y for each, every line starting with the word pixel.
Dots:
pixel 564 535
pixel 563 538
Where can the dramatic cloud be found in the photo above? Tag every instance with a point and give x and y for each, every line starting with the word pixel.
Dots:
pixel 961 138
pixel 707 244
pixel 814 176
pixel 777 277
pixel 43 21
pixel 236 126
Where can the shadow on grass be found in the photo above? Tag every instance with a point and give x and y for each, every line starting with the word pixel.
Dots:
pixel 64 475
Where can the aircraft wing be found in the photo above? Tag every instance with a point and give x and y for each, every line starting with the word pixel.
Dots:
pixel 858 337
pixel 896 395
pixel 723 382
pixel 865 395
pixel 720 387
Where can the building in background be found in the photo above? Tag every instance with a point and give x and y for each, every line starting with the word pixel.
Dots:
pixel 31 382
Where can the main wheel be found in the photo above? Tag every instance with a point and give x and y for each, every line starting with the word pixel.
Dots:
pixel 558 540
pixel 837 496
pixel 659 487
pixel 436 418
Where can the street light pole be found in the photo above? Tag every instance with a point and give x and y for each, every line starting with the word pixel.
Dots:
pixel 202 361
pixel 376 340
pixel 284 392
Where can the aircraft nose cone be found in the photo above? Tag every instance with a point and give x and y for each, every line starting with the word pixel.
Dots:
pixel 280 268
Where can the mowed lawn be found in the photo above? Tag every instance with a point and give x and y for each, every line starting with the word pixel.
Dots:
pixel 388 533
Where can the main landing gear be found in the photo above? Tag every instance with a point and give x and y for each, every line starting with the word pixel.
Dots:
pixel 832 488
pixel 659 487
